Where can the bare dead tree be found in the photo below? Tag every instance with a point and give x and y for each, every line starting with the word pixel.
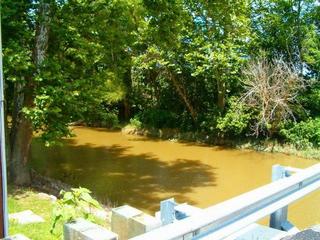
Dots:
pixel 271 88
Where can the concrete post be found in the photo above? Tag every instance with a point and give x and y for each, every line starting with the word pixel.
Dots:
pixel 129 222
pixel 280 216
pixel 120 220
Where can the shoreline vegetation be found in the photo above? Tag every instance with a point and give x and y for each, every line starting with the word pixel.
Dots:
pixel 251 143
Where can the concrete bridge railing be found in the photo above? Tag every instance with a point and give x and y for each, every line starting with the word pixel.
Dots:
pixel 222 220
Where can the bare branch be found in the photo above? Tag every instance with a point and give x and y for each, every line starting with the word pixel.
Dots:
pixel 272 88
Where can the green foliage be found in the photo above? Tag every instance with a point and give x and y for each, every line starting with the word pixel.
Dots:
pixel 158 118
pixel 303 134
pixel 172 63
pixel 310 100
pixel 281 27
pixel 208 121
pixel 85 63
pixel 101 117
pixel 135 122
pixel 236 120
pixel 72 205
pixel 311 47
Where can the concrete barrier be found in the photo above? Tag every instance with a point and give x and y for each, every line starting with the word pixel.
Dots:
pixel 141 224
pixel 85 230
pixel 129 222
pixel 120 220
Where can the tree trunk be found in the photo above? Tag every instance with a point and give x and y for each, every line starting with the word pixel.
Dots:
pixel 20 138
pixel 299 37
pixel 126 109
pixel 183 94
pixel 20 146
pixel 21 130
pixel 126 100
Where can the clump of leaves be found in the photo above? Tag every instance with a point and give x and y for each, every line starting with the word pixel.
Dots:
pixel 304 134
pixel 135 122
pixel 72 205
pixel 236 120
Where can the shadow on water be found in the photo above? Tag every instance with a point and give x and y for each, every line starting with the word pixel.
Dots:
pixel 115 174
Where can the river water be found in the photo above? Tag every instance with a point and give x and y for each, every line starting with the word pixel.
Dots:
pixel 141 171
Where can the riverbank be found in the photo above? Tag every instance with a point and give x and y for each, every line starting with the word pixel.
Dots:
pixel 22 199
pixel 266 145
pixel 42 204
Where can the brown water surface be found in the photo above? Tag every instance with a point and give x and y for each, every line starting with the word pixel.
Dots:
pixel 141 171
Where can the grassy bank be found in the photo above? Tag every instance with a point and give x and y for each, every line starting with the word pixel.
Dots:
pixel 21 199
pixel 263 145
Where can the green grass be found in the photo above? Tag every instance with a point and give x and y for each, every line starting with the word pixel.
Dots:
pixel 21 199
pixel 25 199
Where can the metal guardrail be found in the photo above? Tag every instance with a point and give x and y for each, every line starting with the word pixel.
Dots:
pixel 221 220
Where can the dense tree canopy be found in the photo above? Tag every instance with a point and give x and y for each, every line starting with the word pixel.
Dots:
pixel 166 64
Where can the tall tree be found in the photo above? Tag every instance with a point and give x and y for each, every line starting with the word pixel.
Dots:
pixel 224 30
pixel 31 59
pixel 63 59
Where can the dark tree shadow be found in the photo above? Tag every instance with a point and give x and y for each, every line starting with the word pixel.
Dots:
pixel 140 180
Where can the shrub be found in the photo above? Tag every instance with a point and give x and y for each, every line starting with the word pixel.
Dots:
pixel 135 122
pixel 236 120
pixel 102 118
pixel 159 118
pixel 303 134
pixel 109 119
pixel 73 205
pixel 208 120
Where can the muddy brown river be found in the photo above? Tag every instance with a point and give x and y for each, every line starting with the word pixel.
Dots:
pixel 141 171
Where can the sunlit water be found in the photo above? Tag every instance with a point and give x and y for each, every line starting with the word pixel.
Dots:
pixel 142 171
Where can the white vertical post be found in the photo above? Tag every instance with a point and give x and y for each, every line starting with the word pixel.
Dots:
pixel 4 208
pixel 280 216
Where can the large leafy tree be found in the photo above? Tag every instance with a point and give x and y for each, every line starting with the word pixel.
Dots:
pixel 25 45
pixel 62 59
